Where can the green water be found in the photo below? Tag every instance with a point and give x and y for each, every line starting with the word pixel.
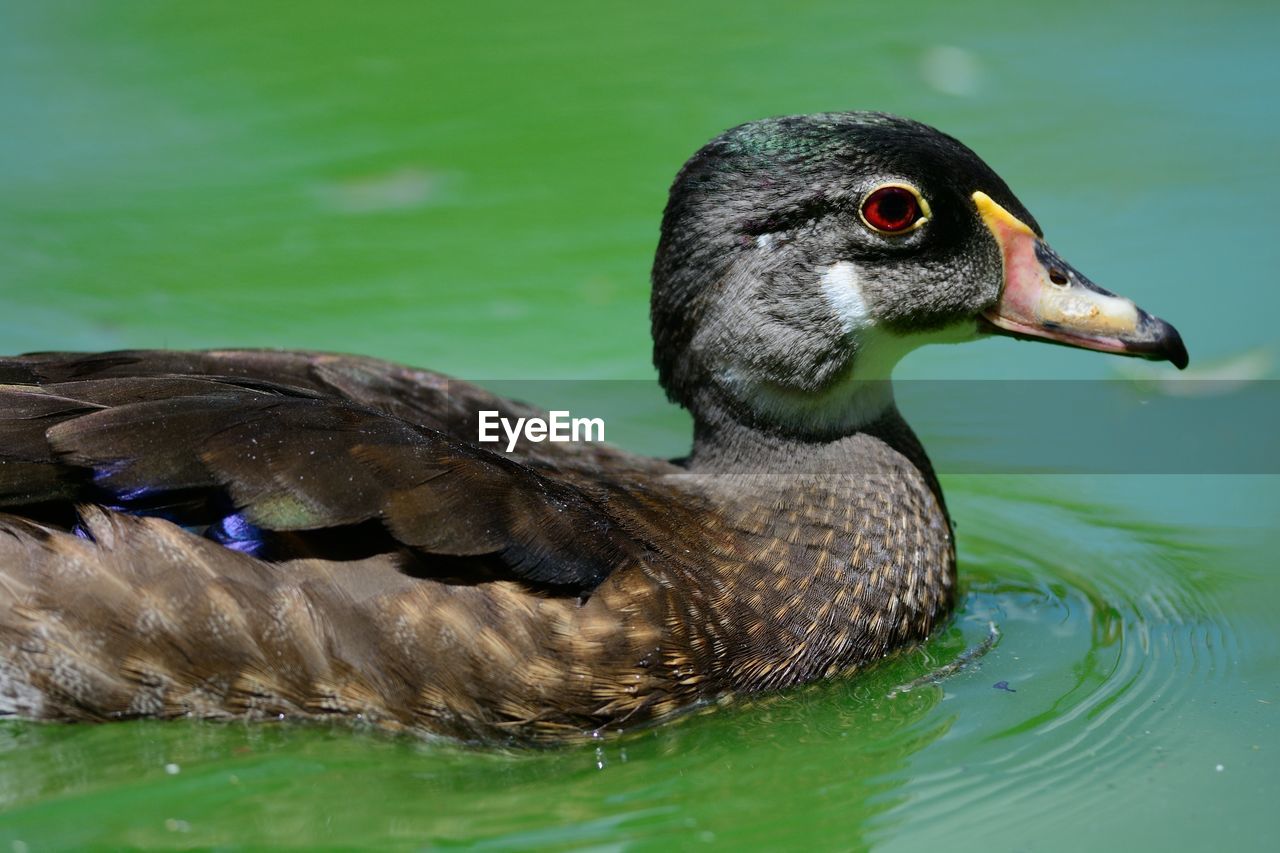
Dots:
pixel 477 190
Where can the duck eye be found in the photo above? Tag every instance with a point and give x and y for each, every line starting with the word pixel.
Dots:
pixel 894 209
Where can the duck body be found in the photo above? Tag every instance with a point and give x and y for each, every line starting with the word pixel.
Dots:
pixel 724 580
pixel 301 535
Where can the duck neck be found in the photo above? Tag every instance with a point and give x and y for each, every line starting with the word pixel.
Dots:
pixel 726 442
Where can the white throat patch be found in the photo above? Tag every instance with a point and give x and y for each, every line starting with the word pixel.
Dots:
pixel 842 286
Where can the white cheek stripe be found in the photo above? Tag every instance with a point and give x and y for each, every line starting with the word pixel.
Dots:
pixel 841 287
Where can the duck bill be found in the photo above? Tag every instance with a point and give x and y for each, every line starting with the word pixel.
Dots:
pixel 1045 298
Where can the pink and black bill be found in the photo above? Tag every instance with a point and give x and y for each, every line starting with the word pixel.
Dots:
pixel 1045 298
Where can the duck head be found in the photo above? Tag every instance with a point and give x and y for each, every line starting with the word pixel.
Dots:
pixel 802 257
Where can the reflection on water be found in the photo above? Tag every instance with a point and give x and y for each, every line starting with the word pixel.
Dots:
pixel 705 775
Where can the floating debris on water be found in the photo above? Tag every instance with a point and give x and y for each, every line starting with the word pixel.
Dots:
pixel 951 70
pixel 1222 376
pixel 403 189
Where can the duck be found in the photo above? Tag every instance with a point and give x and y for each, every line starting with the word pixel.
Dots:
pixel 276 535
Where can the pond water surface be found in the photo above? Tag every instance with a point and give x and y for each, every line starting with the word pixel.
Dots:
pixel 478 190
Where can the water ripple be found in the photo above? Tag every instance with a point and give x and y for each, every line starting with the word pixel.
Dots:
pixel 1110 629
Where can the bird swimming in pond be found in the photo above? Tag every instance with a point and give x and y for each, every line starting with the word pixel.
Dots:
pixel 271 534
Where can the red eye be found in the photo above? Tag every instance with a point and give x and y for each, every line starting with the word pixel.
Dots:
pixel 891 210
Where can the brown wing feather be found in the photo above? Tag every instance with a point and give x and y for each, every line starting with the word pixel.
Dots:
pixel 293 442
pixel 421 397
